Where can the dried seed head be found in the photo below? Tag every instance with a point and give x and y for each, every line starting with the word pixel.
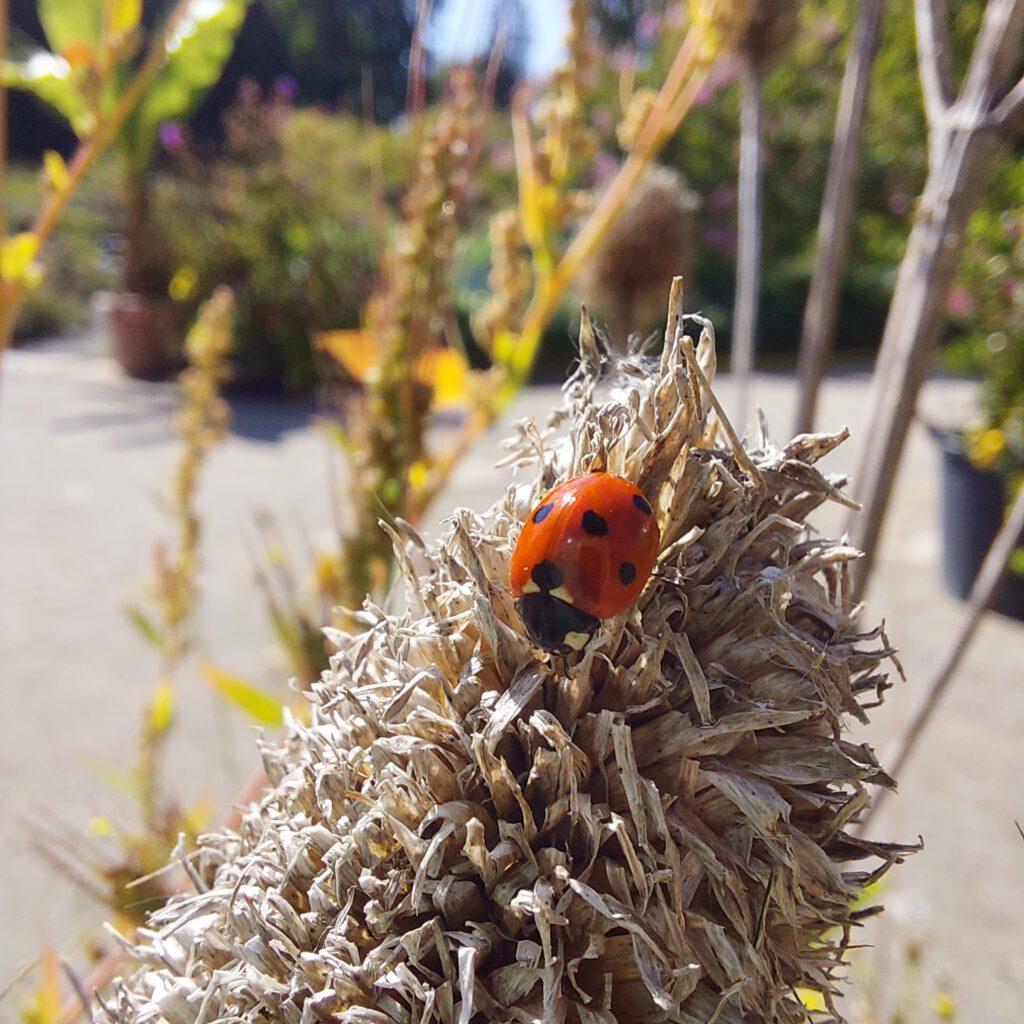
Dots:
pixel 652 239
pixel 656 829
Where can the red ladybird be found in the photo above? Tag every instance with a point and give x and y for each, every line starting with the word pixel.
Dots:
pixel 584 555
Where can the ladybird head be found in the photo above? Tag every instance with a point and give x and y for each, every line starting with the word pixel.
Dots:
pixel 554 624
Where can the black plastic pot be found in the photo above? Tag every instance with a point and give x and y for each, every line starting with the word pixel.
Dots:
pixel 974 503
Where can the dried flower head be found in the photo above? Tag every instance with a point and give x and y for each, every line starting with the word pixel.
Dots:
pixel 653 237
pixel 656 829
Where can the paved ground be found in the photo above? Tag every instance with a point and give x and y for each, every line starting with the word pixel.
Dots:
pixel 84 456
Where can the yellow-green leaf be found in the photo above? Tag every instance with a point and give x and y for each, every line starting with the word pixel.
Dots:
pixel 56 170
pixel 260 705
pixel 161 709
pixel 138 618
pixel 447 373
pixel 70 24
pixel 124 16
pixel 812 999
pixel 17 255
pixel 358 352
pixel 51 79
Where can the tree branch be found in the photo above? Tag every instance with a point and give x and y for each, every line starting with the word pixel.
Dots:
pixel 1008 117
pixel 931 23
pixel 983 593
pixel 995 54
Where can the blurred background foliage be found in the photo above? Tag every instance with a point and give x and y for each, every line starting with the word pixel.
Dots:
pixel 273 173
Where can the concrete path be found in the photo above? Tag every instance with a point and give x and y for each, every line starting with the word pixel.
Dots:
pixel 84 458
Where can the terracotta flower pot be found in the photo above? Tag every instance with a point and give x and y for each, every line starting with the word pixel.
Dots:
pixel 974 503
pixel 143 332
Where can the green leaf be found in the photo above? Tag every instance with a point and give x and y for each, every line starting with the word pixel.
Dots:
pixel 146 627
pixel 1016 562
pixel 51 79
pixel 196 54
pixel 260 705
pixel 71 24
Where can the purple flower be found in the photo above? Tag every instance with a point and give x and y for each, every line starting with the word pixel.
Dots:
pixel 172 136
pixel 723 197
pixel 720 238
pixel 647 27
pixel 958 301
pixel 285 88
pixel 899 203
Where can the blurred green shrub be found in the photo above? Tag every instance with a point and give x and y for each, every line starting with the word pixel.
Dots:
pixel 284 214
pixel 987 306
pixel 78 260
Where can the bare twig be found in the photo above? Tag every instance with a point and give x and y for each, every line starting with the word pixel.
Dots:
pixel 931 21
pixel 996 55
pixel 1008 117
pixel 980 599
pixel 416 97
pixel 915 318
pixel 818 335
pixel 748 265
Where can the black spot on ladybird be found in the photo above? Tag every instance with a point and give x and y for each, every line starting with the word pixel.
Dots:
pixel 547 576
pixel 594 524
pixel 642 503
pixel 627 573
pixel 543 512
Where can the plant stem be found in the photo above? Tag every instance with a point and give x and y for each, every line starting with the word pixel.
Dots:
pixel 819 327
pixel 552 287
pixel 983 593
pixel 748 265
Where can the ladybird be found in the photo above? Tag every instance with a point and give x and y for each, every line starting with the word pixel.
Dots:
pixel 584 555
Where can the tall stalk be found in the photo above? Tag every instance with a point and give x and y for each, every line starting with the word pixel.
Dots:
pixel 819 326
pixel 748 263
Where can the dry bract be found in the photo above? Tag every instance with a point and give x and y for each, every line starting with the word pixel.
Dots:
pixel 657 829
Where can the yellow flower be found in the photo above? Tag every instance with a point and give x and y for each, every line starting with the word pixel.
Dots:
pixel 183 284
pixel 985 446
pixel 944 1005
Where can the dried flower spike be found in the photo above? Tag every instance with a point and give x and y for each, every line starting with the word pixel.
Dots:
pixel 654 829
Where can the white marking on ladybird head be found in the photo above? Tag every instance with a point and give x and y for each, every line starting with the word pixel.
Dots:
pixel 529 587
pixel 562 594
pixel 577 641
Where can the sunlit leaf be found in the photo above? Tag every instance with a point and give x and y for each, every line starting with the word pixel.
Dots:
pixel 447 373
pixel 161 709
pixel 51 79
pixel 196 53
pixel 357 352
pixel 260 705
pixel 812 999
pixel 71 23
pixel 124 16
pixel 56 170
pixel 17 255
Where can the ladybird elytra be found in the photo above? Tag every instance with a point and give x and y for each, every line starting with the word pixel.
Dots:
pixel 584 554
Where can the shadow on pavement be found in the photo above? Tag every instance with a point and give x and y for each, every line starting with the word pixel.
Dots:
pixel 268 419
